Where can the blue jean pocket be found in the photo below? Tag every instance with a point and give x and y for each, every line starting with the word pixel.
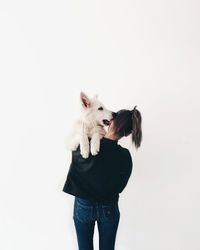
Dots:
pixel 111 213
pixel 83 213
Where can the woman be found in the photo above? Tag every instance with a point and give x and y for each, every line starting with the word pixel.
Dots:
pixel 97 181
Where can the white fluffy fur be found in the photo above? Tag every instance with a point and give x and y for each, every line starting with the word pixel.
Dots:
pixel 90 125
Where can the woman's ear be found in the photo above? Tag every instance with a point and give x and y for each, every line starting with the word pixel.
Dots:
pixel 85 101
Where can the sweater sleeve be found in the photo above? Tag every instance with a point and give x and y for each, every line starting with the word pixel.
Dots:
pixel 125 169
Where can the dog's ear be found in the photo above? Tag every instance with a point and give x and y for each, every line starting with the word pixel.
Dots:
pixel 85 101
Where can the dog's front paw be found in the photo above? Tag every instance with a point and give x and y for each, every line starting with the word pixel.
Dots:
pixel 85 153
pixel 94 149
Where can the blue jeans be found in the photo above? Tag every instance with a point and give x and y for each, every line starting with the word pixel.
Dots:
pixel 85 214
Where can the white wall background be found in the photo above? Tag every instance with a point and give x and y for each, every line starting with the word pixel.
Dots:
pixel 143 53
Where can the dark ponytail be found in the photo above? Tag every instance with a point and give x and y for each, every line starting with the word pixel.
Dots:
pixel 136 127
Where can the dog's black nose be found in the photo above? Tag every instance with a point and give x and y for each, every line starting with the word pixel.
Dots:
pixel 114 114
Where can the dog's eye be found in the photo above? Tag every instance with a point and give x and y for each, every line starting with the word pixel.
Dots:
pixel 100 108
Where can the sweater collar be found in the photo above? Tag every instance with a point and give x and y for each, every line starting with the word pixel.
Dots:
pixel 110 140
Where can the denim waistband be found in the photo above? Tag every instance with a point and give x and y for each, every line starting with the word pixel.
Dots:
pixel 84 201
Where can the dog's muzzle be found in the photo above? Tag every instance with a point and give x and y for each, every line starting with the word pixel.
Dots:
pixel 106 122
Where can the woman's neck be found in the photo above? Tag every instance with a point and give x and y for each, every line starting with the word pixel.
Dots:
pixel 111 136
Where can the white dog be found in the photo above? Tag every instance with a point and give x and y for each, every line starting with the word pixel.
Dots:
pixel 91 125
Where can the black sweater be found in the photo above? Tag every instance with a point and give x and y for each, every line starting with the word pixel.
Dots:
pixel 101 177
